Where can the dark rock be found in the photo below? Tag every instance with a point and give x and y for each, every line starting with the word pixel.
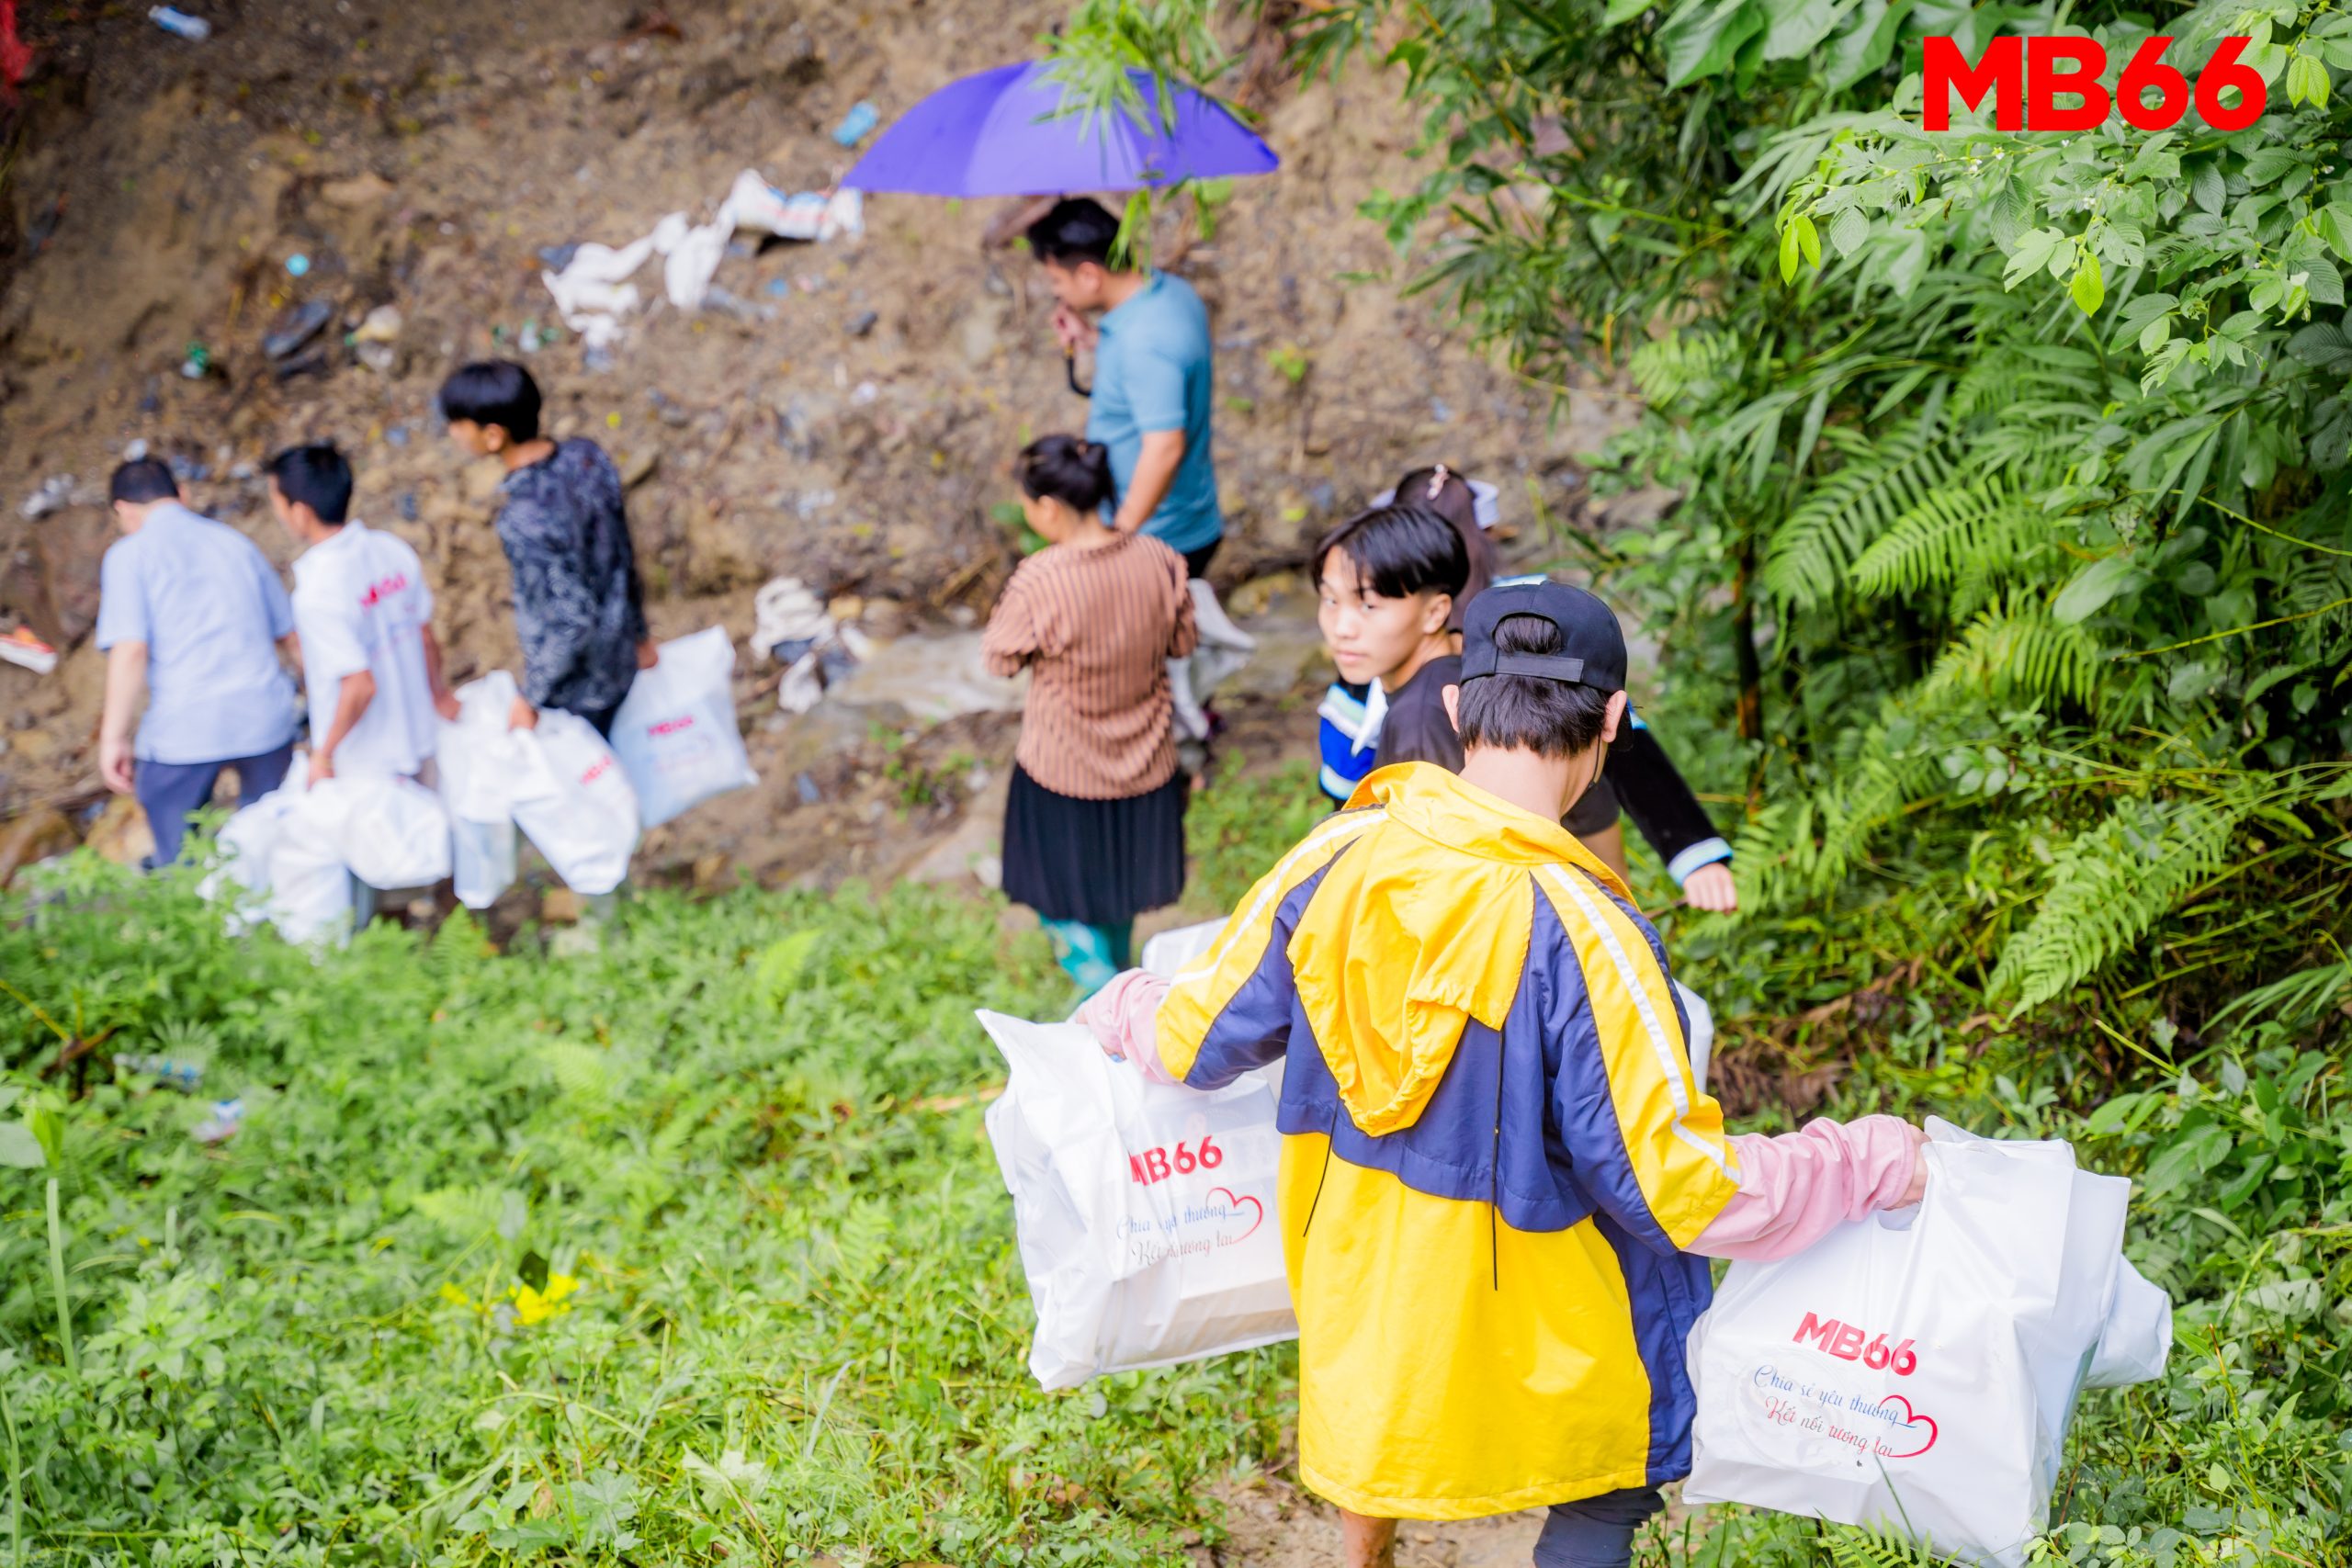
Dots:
pixel 312 363
pixel 863 323
pixel 296 325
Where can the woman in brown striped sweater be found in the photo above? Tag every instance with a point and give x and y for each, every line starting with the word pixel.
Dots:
pixel 1094 826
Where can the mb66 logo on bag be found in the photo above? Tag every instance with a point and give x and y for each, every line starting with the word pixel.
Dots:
pixel 1846 1341
pixel 2025 77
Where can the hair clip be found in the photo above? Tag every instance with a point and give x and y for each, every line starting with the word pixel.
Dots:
pixel 1438 476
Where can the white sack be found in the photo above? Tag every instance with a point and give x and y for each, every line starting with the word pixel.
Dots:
pixel 675 733
pixel 391 833
pixel 480 762
pixel 1169 950
pixel 1145 1211
pixel 2137 1340
pixel 574 804
pixel 1917 1371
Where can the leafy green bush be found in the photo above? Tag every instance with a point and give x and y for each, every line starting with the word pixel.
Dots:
pixel 688 1245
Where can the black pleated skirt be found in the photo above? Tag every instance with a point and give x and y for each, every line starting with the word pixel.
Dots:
pixel 1101 862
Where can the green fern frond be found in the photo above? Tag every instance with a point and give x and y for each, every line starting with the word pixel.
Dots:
pixel 1812 550
pixel 1982 529
pixel 1685 367
pixel 2017 649
pixel 2298 998
pixel 1788 853
pixel 2112 883
pixel 1877 1546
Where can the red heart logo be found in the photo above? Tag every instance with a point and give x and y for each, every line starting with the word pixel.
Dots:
pixel 1257 1211
pixel 1911 1420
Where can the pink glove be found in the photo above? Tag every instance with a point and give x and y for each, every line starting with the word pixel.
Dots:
pixel 1793 1188
pixel 1121 1016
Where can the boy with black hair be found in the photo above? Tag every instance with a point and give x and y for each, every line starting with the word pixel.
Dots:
pixel 1390 582
pixel 1154 382
pixel 370 662
pixel 188 610
pixel 578 606
pixel 1499 1180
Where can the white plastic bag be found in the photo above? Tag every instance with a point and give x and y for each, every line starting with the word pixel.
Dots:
pixel 1145 1211
pixel 391 833
pixel 574 804
pixel 1917 1371
pixel 480 764
pixel 1169 950
pixel 2137 1340
pixel 675 733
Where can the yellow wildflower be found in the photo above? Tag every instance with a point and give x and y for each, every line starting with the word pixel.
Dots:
pixel 537 1306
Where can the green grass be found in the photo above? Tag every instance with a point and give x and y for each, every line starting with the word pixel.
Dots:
pixel 748 1131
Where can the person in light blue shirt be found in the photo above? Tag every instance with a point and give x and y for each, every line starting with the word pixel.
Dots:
pixel 1153 381
pixel 191 614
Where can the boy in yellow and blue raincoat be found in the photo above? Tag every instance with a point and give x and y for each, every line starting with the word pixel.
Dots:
pixel 1494 1152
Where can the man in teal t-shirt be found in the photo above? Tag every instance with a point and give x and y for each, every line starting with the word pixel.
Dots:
pixel 1153 386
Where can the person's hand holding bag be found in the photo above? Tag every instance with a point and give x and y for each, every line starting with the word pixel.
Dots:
pixel 1794 1187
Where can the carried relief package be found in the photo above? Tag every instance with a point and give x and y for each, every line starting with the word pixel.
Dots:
pixel 574 804
pixel 675 733
pixel 480 760
pixel 1145 1211
pixel 1918 1370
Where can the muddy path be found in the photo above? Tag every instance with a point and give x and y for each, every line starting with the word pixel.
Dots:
pixel 848 425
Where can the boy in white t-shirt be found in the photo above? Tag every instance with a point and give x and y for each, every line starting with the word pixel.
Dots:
pixel 370 662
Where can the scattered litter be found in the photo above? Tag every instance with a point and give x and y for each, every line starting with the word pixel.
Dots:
pixel 20 647
pixel 198 361
pixel 297 264
pixel 591 289
pixel 794 628
pixel 778 287
pixel 227 1119
pixel 195 29
pixel 376 341
pixel 296 325
pixel 863 323
pixel 55 492
pixel 134 450
pixel 865 393
pixel 809 794
pixel 855 125
pixel 558 257
pixel 185 1077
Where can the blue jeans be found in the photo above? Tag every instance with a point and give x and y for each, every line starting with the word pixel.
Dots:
pixel 1595 1532
pixel 167 792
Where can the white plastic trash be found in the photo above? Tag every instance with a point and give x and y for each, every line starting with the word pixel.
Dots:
pixel 675 734
pixel 574 804
pixel 1145 1212
pixel 1918 1370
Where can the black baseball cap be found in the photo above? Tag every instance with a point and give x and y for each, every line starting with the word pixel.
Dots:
pixel 1592 646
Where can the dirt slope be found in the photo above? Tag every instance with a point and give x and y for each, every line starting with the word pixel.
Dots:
pixel 852 427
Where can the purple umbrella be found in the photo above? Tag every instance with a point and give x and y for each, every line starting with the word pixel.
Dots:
pixel 1001 133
